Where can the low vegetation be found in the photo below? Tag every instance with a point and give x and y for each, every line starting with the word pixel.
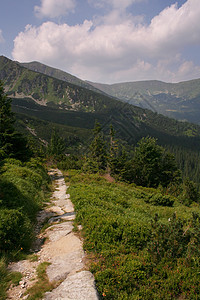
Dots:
pixel 42 284
pixel 140 249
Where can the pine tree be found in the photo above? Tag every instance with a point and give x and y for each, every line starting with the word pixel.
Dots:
pixel 12 143
pixel 57 144
pixel 152 165
pixel 97 157
pixel 6 122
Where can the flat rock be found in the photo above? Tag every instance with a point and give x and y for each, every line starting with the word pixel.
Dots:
pixel 65 264
pixel 79 286
pixel 57 231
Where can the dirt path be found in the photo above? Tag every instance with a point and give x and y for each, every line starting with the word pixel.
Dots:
pixel 62 249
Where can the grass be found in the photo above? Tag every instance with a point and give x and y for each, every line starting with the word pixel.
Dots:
pixel 42 285
pixel 135 256
pixel 32 257
pixel 4 279
pixel 7 278
pixel 15 277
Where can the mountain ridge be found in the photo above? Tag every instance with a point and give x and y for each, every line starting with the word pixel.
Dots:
pixel 48 98
pixel 176 100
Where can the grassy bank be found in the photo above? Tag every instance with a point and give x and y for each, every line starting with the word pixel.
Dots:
pixel 23 190
pixel 141 249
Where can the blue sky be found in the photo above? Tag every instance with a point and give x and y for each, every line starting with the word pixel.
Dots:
pixel 105 40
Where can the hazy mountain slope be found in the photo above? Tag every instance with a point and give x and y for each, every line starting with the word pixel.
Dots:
pixel 179 100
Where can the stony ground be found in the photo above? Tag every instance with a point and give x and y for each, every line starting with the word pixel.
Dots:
pixel 62 249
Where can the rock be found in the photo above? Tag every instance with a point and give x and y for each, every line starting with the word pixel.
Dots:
pixel 79 286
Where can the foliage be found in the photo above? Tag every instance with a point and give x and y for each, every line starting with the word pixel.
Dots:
pixel 15 230
pixel 4 279
pixel 70 162
pixel 151 165
pixel 12 143
pixel 6 121
pixel 135 256
pixel 189 192
pixel 97 157
pixel 160 199
pixel 22 192
pixel 168 240
pixel 56 146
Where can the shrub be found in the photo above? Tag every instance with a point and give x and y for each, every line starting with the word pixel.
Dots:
pixel 159 199
pixel 189 192
pixel 15 230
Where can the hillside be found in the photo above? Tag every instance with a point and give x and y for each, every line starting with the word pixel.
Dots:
pixel 21 82
pixel 42 103
pixel 61 102
pixel 180 100
pixel 58 74
pixel 137 249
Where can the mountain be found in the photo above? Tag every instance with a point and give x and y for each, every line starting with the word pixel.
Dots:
pixel 58 74
pixel 180 100
pixel 42 102
pixel 47 98
pixel 177 100
pixel 21 82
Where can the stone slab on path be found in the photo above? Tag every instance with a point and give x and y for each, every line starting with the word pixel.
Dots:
pixel 79 286
pixel 65 252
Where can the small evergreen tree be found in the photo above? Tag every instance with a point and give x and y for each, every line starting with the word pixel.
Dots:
pixel 56 146
pixel 6 123
pixel 152 165
pixel 189 192
pixel 117 156
pixel 12 143
pixel 97 158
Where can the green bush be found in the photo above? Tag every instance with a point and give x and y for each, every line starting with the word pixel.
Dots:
pixel 189 192
pixel 21 196
pixel 159 199
pixel 15 230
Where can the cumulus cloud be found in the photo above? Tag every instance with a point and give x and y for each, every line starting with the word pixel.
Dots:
pixel 54 8
pixel 111 51
pixel 116 4
pixel 1 37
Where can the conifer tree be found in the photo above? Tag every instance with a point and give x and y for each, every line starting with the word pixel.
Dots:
pixel 57 144
pixel 97 157
pixel 6 122
pixel 12 143
pixel 152 165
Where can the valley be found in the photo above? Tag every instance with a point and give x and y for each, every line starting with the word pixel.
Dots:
pixel 133 177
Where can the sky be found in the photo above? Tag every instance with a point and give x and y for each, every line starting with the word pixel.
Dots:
pixel 107 41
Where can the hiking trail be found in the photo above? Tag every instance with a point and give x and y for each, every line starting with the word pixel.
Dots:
pixel 59 246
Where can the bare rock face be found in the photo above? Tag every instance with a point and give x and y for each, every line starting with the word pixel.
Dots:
pixel 79 286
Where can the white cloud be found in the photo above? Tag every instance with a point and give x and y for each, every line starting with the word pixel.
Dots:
pixel 54 8
pixel 119 48
pixel 116 4
pixel 1 37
